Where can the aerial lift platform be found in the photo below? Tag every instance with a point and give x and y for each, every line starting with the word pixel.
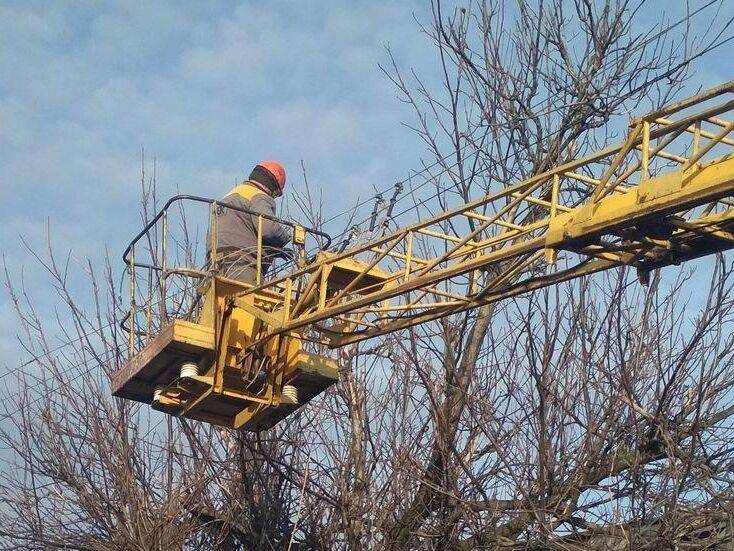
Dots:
pixel 250 355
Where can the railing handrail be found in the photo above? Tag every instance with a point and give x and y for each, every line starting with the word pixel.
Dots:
pixel 196 198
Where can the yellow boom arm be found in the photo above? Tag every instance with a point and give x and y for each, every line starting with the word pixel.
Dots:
pixel 661 197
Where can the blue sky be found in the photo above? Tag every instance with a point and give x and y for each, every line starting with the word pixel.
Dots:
pixel 207 91
pixel 206 87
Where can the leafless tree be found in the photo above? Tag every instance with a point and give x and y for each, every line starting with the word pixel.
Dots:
pixel 594 414
pixel 524 87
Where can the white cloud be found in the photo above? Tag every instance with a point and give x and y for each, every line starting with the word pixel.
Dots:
pixel 311 130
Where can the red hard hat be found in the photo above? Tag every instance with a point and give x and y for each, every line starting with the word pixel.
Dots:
pixel 277 170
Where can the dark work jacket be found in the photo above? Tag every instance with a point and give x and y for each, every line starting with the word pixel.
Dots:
pixel 238 230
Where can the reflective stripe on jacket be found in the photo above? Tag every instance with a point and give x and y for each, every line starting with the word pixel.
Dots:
pixel 238 230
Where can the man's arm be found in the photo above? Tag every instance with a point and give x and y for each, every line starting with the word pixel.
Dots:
pixel 274 234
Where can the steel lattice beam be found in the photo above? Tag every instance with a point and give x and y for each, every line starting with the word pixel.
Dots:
pixel 631 217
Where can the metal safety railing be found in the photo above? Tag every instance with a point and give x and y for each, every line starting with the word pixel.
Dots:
pixel 150 264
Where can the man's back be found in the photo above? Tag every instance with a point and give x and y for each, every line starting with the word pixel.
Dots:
pixel 237 237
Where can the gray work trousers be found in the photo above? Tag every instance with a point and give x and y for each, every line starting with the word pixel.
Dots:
pixel 238 264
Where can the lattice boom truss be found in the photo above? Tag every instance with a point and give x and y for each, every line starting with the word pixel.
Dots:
pixel 659 198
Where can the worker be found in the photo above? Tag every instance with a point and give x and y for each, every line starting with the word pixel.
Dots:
pixel 237 238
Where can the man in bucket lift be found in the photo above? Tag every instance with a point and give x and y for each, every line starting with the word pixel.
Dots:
pixel 237 231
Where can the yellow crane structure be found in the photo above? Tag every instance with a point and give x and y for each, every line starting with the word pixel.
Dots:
pixel 663 196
